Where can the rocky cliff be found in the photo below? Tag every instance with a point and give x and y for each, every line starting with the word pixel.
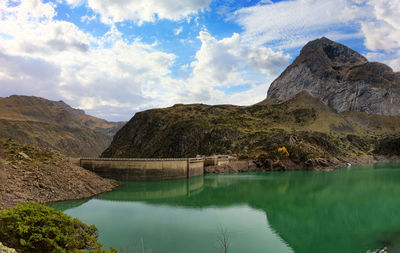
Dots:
pixel 341 78
pixel 54 124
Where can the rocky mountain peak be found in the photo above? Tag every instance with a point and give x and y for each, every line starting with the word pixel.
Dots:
pixel 331 52
pixel 341 78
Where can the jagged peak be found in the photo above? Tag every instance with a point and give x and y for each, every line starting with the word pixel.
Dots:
pixel 341 78
pixel 331 52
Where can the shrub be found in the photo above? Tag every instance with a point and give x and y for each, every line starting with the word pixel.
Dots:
pixel 32 227
pixel 283 152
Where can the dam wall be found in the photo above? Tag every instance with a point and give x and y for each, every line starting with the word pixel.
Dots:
pixel 143 169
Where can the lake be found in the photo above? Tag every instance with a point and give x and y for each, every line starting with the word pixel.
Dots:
pixel 356 209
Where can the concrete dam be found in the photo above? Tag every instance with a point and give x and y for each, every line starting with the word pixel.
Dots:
pixel 144 169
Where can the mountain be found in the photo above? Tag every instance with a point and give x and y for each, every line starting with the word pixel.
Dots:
pixel 54 124
pixel 341 78
pixel 329 103
pixel 303 124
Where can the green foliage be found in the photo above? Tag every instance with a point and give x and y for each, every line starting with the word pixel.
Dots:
pixel 32 227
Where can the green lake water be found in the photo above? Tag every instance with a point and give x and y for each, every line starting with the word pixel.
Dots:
pixel 349 210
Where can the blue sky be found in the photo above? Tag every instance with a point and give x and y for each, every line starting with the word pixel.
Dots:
pixel 113 58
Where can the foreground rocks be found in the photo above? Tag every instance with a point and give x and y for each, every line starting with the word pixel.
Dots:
pixel 44 176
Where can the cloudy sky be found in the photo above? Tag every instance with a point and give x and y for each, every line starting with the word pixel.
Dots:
pixel 113 58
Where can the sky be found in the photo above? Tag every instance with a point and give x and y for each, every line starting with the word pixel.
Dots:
pixel 113 58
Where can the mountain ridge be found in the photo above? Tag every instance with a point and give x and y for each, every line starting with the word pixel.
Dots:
pixel 54 124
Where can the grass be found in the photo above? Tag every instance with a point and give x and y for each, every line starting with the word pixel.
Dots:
pixel 302 123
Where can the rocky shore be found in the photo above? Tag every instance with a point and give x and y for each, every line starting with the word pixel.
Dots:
pixel 317 164
pixel 29 173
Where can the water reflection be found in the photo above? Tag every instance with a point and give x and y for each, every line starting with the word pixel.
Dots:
pixel 350 210
pixel 137 191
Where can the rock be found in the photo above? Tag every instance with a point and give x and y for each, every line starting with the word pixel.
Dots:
pixel 2 173
pixel 24 156
pixel 341 78
pixel 4 249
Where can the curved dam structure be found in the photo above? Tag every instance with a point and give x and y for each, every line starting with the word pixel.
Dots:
pixel 144 169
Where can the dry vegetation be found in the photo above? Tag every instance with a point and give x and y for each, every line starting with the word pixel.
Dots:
pixel 54 124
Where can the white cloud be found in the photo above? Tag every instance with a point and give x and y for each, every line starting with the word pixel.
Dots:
pixel 74 3
pixel 140 11
pixel 55 59
pixel 178 31
pixel 292 23
pixel 112 78
pixel 383 33
pixel 88 19
pixel 228 64
pixel 220 60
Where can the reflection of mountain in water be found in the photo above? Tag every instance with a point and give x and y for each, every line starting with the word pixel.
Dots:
pixel 63 206
pixel 156 190
pixel 339 211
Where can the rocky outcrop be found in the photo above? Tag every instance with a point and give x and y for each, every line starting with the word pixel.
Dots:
pixel 341 78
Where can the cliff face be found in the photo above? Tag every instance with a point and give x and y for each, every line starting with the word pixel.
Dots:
pixel 54 124
pixel 341 78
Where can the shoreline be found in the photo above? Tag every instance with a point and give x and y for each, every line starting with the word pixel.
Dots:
pixel 93 185
pixel 50 183
pixel 314 164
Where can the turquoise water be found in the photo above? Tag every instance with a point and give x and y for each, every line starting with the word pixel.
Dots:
pixel 348 210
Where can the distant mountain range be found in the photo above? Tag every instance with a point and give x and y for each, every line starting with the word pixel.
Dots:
pixel 329 102
pixel 54 124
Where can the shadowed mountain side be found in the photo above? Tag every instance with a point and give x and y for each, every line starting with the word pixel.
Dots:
pixel 341 78
pixel 304 208
pixel 54 124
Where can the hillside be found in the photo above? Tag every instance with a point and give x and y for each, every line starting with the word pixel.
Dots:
pixel 303 124
pixel 54 124
pixel 308 126
pixel 31 173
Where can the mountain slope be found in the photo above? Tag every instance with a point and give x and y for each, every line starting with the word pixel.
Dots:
pixel 329 103
pixel 306 126
pixel 341 78
pixel 54 124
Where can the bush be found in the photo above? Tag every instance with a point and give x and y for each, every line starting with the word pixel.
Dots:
pixel 283 152
pixel 32 227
